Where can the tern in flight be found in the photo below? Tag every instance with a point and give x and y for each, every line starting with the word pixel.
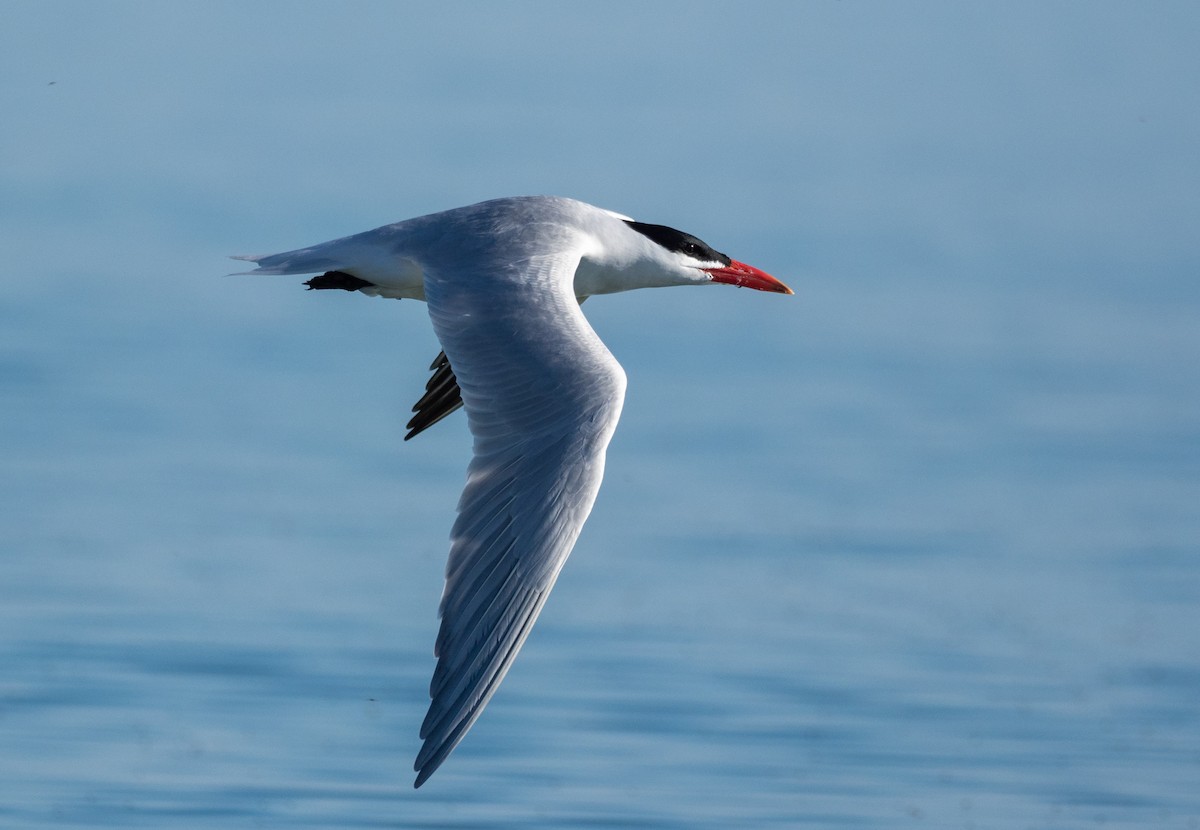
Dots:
pixel 503 281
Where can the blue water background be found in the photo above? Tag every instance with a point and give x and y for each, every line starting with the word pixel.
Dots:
pixel 916 547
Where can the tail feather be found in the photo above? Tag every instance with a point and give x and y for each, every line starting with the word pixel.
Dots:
pixel 303 261
pixel 371 258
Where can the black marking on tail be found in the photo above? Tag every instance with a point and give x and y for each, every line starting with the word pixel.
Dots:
pixel 337 279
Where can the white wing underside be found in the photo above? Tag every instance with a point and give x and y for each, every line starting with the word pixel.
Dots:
pixel 542 396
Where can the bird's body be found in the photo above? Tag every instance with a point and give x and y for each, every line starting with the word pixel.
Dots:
pixel 503 281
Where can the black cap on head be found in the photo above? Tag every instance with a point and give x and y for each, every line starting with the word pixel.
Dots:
pixel 678 241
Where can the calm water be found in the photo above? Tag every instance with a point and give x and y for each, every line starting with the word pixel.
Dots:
pixel 917 547
pixel 882 555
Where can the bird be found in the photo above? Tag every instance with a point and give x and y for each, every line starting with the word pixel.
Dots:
pixel 503 281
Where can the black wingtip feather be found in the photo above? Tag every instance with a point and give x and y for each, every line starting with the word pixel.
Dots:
pixel 337 279
pixel 442 397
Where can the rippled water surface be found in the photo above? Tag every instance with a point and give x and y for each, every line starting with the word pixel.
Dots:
pixel 917 547
pixel 951 581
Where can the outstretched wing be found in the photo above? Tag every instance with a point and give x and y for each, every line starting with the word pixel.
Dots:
pixel 542 396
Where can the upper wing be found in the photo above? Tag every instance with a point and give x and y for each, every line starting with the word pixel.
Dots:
pixel 441 396
pixel 543 396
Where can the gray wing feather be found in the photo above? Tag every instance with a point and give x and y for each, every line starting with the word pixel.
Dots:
pixel 441 396
pixel 542 396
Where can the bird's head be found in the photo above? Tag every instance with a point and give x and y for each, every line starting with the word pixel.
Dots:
pixel 641 255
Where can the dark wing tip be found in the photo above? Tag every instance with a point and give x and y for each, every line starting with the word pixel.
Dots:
pixel 337 279
pixel 442 397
